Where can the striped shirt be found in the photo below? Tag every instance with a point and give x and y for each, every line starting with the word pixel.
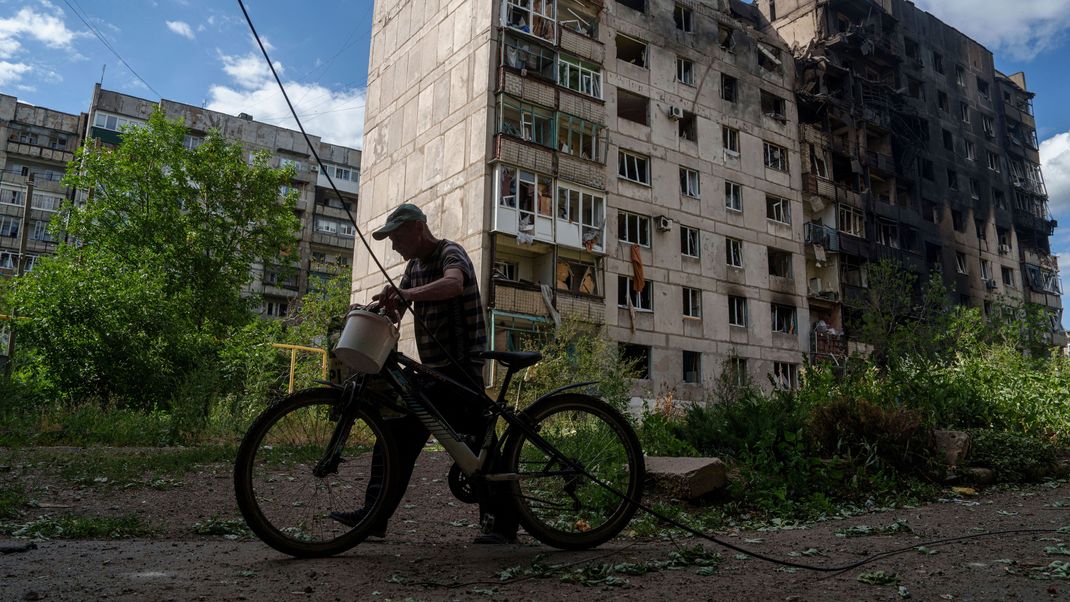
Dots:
pixel 456 323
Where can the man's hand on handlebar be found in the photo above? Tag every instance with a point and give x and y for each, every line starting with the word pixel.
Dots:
pixel 392 301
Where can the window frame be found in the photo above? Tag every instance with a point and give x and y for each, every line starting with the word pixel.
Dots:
pixel 683 18
pixel 730 140
pixel 733 252
pixel 695 358
pixel 640 228
pixel 692 302
pixel 588 76
pixel 738 312
pixel 685 71
pixel 690 182
pixel 781 324
pixel 775 156
pixel 690 242
pixel 623 157
pixel 733 191
pixel 778 209
pixel 642 301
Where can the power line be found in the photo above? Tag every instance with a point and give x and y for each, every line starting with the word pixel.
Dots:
pixel 107 45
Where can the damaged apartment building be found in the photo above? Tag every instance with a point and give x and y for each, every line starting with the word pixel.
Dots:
pixel 627 163
pixel 709 180
pixel 325 241
pixel 915 148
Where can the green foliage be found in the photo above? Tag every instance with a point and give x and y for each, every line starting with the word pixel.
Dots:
pixel 899 316
pixel 1012 456
pixel 661 435
pixel 80 527
pixel 134 314
pixel 576 352
pixel 864 433
pixel 203 215
pixel 12 498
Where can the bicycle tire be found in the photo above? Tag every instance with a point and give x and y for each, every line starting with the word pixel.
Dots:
pixel 282 501
pixel 593 435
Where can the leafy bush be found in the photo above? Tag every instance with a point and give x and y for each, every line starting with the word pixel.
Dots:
pixel 576 352
pixel 1011 456
pixel 867 434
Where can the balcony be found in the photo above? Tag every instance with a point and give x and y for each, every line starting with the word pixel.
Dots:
pixel 519 298
pixel 880 162
pixel 819 234
pixel 526 88
pixel 584 308
pixel 585 47
pixel 527 156
pixel 580 171
pixel 39 152
pixel 827 344
pixel 830 190
pixel 1031 186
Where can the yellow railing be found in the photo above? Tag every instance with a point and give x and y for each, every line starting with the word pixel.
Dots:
pixel 5 317
pixel 293 358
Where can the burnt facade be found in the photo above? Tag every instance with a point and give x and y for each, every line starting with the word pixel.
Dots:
pixel 915 148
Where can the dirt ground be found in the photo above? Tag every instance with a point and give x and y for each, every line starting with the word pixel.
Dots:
pixel 429 548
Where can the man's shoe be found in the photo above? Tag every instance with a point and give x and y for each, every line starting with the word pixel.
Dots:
pixel 351 519
pixel 495 539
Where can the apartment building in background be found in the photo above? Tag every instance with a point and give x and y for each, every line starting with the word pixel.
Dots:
pixel 915 148
pixel 40 142
pixel 624 163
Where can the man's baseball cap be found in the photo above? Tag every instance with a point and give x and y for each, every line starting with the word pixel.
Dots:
pixel 406 212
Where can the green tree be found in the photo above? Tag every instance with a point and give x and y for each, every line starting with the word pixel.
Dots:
pixel 136 310
pixel 204 215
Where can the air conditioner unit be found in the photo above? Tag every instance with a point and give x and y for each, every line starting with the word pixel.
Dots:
pixel 990 283
pixel 1004 249
pixel 676 112
pixel 664 224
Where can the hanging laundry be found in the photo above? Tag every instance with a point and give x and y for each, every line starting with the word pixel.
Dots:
pixel 638 282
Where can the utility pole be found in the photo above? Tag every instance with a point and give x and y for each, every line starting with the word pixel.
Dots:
pixel 20 268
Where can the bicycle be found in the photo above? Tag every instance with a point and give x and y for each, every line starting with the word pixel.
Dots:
pixel 570 463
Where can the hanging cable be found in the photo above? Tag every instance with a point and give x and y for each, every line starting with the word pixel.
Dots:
pixel 462 368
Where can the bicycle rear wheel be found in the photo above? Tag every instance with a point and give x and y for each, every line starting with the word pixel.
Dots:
pixel 557 502
pixel 283 501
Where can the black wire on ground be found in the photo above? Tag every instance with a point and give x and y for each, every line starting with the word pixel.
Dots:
pixel 649 510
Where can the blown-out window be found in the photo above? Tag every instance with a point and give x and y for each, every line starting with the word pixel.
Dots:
pixel 578 137
pixel 526 121
pixel 535 17
pixel 580 76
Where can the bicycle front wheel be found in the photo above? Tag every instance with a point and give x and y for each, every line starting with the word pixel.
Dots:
pixel 285 499
pixel 558 501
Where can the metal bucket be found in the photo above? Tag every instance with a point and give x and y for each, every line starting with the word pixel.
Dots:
pixel 366 341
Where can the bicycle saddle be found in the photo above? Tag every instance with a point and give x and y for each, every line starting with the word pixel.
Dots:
pixel 513 359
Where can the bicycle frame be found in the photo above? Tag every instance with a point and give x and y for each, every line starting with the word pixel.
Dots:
pixel 398 372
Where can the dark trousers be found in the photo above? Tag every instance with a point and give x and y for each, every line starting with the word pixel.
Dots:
pixel 411 436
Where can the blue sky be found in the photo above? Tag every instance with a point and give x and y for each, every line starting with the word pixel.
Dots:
pixel 200 52
pixel 194 51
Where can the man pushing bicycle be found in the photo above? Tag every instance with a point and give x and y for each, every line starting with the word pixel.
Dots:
pixel 442 287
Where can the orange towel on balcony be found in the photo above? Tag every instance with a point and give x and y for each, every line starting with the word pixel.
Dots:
pixel 638 282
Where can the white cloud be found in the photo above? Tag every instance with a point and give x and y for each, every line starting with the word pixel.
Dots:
pixel 1055 163
pixel 12 72
pixel 249 71
pixel 1021 29
pixel 181 28
pixel 336 116
pixel 48 29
